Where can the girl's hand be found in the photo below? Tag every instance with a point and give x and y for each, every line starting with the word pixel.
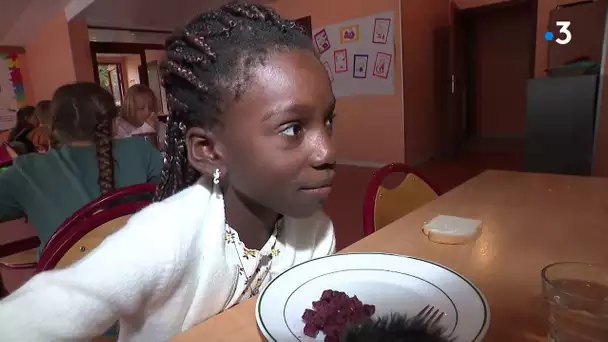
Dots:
pixel 9 150
pixel 40 136
pixel 153 121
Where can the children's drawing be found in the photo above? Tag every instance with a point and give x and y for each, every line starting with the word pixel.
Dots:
pixel 360 66
pixel 340 61
pixel 382 27
pixel 349 34
pixel 382 64
pixel 329 73
pixel 322 41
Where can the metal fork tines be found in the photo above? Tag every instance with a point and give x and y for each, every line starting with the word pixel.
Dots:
pixel 430 316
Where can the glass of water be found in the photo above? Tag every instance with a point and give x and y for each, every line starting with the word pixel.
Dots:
pixel 577 296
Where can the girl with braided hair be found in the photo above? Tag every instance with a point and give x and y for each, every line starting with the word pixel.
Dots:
pixel 249 162
pixel 50 187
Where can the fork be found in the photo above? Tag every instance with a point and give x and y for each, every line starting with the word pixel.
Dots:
pixel 430 316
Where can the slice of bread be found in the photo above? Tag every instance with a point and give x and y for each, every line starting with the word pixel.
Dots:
pixel 452 230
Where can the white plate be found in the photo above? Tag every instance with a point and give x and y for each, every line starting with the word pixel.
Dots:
pixel 393 283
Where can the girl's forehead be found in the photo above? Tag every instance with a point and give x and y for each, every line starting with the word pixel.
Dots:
pixel 143 98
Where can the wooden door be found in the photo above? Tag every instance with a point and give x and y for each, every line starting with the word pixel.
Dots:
pixel 306 23
pixel 456 118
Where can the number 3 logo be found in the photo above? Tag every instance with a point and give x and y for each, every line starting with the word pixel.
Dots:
pixel 563 29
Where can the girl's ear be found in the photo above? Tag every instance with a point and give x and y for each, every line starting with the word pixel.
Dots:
pixel 204 152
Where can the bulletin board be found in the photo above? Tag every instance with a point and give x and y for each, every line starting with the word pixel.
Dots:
pixel 359 55
pixel 12 94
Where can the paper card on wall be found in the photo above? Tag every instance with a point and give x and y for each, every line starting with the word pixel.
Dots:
pixel 340 61
pixel 382 65
pixel 382 26
pixel 329 73
pixel 349 34
pixel 8 97
pixel 351 65
pixel 322 41
pixel 360 66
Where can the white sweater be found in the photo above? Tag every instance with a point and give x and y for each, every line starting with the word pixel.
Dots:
pixel 163 273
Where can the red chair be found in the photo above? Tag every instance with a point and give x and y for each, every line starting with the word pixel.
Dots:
pixel 383 205
pixel 86 229
pixel 6 155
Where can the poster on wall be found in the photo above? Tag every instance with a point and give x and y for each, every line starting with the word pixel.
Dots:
pixel 322 41
pixel 341 61
pixel 360 66
pixel 12 94
pixel 382 26
pixel 382 66
pixel 360 59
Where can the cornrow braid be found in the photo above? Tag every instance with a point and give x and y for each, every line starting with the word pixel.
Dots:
pixel 86 112
pixel 105 157
pixel 208 65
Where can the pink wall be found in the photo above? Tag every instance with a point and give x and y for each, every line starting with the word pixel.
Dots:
pixel 49 57
pixel 421 72
pixel 154 55
pixel 368 128
pixel 81 53
pixel 58 55
pixel 131 63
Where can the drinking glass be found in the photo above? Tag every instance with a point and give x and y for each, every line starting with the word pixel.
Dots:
pixel 577 296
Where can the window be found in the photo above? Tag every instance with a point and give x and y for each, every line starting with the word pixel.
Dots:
pixel 110 78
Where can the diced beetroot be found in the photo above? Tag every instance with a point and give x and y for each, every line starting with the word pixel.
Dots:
pixel 369 310
pixel 319 320
pixel 310 330
pixel 318 305
pixel 333 312
pixel 326 295
pixel 308 315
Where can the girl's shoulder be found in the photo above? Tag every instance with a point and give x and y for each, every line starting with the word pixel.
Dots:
pixel 176 215
pixel 123 128
pixel 169 227
pixel 134 145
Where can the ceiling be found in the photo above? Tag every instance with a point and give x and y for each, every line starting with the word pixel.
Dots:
pixel 20 20
pixel 147 14
pixel 96 35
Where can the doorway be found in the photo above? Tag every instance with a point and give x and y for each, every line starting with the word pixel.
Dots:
pixel 111 79
pixel 118 66
pixel 492 55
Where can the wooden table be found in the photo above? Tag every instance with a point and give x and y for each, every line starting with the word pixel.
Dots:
pixel 529 221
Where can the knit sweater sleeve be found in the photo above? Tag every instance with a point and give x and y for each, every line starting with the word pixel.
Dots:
pixel 127 274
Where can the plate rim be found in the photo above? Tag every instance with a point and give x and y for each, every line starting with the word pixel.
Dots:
pixel 486 307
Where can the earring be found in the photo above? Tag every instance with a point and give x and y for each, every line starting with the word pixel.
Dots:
pixel 216 176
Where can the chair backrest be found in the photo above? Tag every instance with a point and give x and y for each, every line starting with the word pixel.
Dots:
pixel 86 228
pixel 85 235
pixel 383 205
pixel 105 201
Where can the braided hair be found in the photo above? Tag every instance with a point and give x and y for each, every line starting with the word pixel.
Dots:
pixel 86 112
pixel 208 65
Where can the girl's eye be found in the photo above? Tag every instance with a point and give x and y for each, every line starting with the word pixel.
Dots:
pixel 292 130
pixel 329 122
